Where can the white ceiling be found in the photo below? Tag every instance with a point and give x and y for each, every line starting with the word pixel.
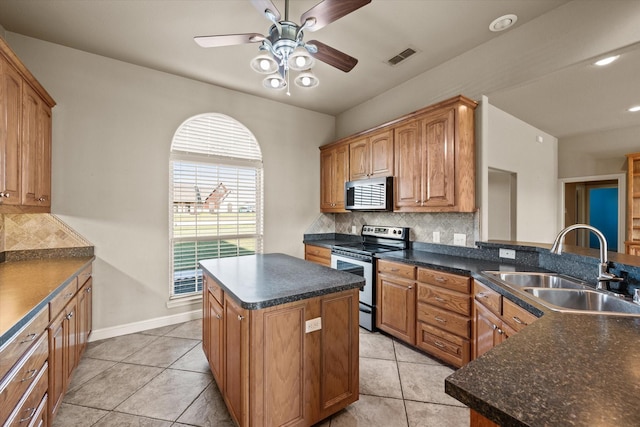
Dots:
pixel 159 34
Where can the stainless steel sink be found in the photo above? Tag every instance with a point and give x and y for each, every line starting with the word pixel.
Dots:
pixel 535 280
pixel 584 300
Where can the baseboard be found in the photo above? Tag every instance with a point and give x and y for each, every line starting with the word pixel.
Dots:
pixel 143 325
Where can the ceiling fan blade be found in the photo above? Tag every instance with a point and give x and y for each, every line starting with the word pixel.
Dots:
pixel 333 57
pixel 263 6
pixel 228 39
pixel 328 11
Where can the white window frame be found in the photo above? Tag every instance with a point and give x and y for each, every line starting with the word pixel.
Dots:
pixel 219 152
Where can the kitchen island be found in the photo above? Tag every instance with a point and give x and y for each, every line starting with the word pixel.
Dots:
pixel 281 338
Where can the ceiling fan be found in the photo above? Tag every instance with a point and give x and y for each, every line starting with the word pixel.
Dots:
pixel 284 48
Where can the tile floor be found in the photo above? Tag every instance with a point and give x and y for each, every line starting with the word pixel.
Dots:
pixel 160 378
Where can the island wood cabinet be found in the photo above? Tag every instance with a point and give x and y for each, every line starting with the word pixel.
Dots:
pixel 318 254
pixel 270 371
pixel 396 296
pixel 25 140
pixel 495 319
pixel 371 156
pixel 334 173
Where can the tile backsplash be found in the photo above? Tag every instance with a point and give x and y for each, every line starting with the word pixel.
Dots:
pixel 19 232
pixel 422 225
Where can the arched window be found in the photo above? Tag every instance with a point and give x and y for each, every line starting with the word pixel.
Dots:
pixel 215 196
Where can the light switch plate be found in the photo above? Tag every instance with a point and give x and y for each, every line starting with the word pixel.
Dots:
pixel 313 325
pixel 507 253
pixel 436 237
pixel 459 239
pixel 353 229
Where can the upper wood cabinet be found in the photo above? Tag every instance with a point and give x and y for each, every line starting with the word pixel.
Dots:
pixel 334 172
pixel 632 244
pixel 25 138
pixel 371 156
pixel 430 153
pixel 435 160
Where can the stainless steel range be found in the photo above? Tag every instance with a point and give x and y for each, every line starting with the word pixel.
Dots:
pixel 359 258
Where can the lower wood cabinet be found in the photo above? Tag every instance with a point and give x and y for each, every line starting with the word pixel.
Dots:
pixel 396 296
pixel 318 254
pixel 270 370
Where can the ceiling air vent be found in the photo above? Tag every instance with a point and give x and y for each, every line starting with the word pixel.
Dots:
pixel 401 56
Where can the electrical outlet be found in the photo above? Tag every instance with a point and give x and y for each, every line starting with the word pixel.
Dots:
pixel 313 325
pixel 353 229
pixel 436 237
pixel 459 239
pixel 507 253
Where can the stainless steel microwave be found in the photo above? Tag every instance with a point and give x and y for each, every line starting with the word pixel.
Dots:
pixel 374 194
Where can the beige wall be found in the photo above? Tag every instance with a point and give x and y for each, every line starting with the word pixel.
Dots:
pixel 600 153
pixel 112 130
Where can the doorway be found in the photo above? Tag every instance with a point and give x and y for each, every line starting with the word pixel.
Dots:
pixel 502 208
pixel 599 202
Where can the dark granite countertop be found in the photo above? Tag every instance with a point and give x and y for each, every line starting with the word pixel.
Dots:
pixel 563 370
pixel 28 286
pixel 260 281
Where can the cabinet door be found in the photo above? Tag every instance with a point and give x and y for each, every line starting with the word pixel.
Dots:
pixel 236 361
pixel 487 330
pixel 57 370
pixel 43 178
pixel 439 159
pixel 215 339
pixel 71 335
pixel 10 109
pixel 408 170
pixel 381 154
pixel 205 317
pixel 396 312
pixel 359 163
pixel 326 176
pixel 84 315
pixel 340 176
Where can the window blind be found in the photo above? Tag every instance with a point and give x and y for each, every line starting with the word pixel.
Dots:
pixel 216 197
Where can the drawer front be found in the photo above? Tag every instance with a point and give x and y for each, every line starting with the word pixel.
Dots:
pixel 214 288
pixel 445 280
pixel 20 343
pixel 446 320
pixel 28 408
pixel 21 378
pixel 516 316
pixel 84 276
pixel 41 415
pixel 317 254
pixel 445 346
pixel 397 269
pixel 59 301
pixel 488 297
pixel 449 300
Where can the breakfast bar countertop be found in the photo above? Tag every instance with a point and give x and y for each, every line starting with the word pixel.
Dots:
pixel 265 280
pixel 28 286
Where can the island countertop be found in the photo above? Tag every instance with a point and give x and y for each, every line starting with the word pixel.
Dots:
pixel 265 280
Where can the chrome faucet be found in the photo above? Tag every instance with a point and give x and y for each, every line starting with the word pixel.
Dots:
pixel 604 277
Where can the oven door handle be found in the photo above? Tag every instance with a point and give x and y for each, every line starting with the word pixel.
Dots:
pixel 365 309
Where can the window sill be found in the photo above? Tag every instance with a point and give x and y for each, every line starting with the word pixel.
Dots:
pixel 184 301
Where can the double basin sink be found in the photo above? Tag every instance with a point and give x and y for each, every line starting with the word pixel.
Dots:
pixel 561 293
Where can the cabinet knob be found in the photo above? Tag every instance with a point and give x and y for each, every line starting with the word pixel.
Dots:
pixel 31 373
pixel 69 316
pixel 31 411
pixel 29 338
pixel 220 317
pixel 439 299
pixel 517 320
pixel 240 317
pixel 440 319
pixel 41 199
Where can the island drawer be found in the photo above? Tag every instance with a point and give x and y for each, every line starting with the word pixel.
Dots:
pixel 446 346
pixel 59 301
pixel 445 280
pixel 20 343
pixel 405 271
pixel 317 254
pixel 516 316
pixel 449 300
pixel 22 376
pixel 214 288
pixel 488 297
pixel 443 319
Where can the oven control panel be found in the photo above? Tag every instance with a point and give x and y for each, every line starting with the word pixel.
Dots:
pixel 398 233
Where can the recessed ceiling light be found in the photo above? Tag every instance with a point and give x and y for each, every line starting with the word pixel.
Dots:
pixel 606 61
pixel 502 23
pixel 634 109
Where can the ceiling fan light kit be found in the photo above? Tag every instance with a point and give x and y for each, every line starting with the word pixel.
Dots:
pixel 284 49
